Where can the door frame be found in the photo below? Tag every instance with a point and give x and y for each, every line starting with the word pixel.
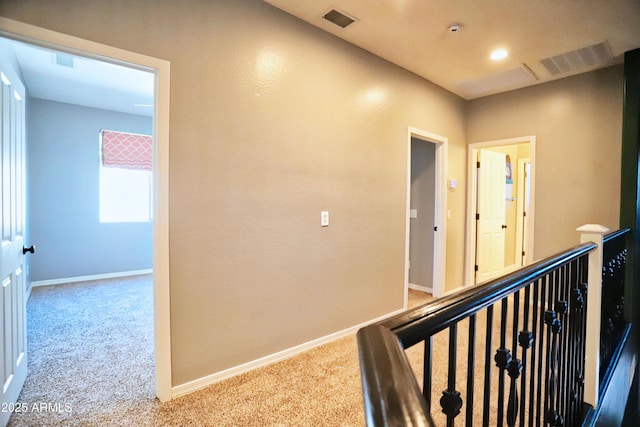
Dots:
pixel 161 297
pixel 472 185
pixel 440 210
pixel 520 209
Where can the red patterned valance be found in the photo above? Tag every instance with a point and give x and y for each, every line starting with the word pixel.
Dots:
pixel 126 150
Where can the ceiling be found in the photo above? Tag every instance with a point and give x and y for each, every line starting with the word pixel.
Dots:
pixel 57 76
pixel 415 35
pixel 582 35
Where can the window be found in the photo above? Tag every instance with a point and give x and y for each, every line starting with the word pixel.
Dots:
pixel 125 177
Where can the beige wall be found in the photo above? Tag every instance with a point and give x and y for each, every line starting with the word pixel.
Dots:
pixel 577 122
pixel 273 121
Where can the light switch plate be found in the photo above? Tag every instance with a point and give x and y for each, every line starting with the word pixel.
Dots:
pixel 324 218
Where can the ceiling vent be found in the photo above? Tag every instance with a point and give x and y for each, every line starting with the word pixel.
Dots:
pixel 341 19
pixel 587 57
pixel 497 82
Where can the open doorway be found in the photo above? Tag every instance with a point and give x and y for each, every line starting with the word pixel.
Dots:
pixel 89 50
pixel 500 208
pixel 426 213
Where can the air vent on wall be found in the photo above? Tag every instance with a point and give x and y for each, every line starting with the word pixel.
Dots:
pixel 587 57
pixel 341 19
pixel 63 60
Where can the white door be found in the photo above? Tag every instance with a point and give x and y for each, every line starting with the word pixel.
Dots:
pixel 12 182
pixel 491 215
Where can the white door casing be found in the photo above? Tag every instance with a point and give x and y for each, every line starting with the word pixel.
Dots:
pixel 491 215
pixel 471 205
pixel 12 270
pixel 161 287
pixel 440 207
pixel 522 209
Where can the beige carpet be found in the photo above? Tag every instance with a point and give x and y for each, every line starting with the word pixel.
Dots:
pixel 91 364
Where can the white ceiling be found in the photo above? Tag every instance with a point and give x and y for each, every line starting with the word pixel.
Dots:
pixel 414 35
pixel 87 82
pixel 410 33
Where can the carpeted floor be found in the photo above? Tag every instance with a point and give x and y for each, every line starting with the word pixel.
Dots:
pixel 91 364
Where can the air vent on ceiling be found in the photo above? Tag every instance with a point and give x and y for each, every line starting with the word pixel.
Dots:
pixel 341 19
pixel 497 82
pixel 587 57
pixel 63 60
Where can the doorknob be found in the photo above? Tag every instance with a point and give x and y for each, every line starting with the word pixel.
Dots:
pixel 31 249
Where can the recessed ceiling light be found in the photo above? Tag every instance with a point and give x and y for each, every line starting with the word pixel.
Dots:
pixel 499 54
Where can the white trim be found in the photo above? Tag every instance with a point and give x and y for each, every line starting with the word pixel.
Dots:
pixel 50 39
pixel 440 214
pixel 520 202
pixel 420 288
pixel 208 380
pixel 470 237
pixel 90 277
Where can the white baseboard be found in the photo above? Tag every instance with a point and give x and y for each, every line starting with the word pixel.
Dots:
pixel 203 382
pixel 91 277
pixel 420 288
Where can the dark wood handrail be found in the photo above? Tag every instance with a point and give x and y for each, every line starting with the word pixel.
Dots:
pixel 615 234
pixel 394 398
pixel 413 325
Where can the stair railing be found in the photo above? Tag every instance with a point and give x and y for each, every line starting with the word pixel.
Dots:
pixel 538 317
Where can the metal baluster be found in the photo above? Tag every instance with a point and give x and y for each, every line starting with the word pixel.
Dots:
pixel 575 311
pixel 541 308
pixel 487 367
pixel 515 366
pixel 427 373
pixel 571 342
pixel 534 333
pixel 451 401
pixel 470 369
pixel 549 316
pixel 584 269
pixel 554 418
pixel 562 307
pixel 525 339
pixel 502 358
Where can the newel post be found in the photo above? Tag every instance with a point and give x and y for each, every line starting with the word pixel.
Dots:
pixel 593 233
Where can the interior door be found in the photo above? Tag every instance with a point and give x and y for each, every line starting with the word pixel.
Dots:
pixel 490 215
pixel 12 270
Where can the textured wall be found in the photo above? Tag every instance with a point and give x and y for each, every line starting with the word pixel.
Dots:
pixel 273 121
pixel 63 169
pixel 577 123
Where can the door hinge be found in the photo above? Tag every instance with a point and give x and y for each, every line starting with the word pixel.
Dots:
pixel 523 253
pixel 524 214
pixel 477 216
pixel 478 165
pixel 476 267
pixel 435 228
